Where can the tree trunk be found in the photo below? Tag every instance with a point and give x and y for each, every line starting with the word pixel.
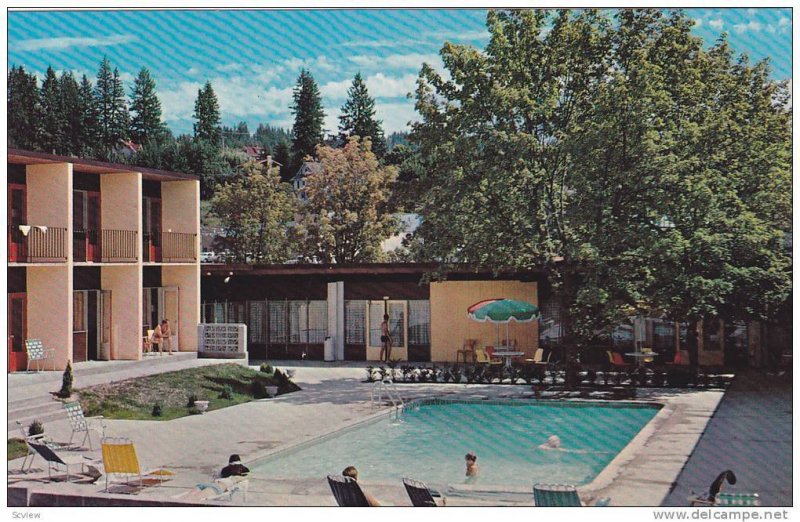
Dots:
pixel 692 343
pixel 567 297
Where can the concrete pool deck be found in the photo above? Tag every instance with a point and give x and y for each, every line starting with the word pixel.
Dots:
pixel 336 397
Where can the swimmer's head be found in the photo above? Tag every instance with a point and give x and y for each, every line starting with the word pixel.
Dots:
pixel 553 441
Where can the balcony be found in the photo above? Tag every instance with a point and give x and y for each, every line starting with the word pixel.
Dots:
pixel 36 244
pixel 104 246
pixel 169 247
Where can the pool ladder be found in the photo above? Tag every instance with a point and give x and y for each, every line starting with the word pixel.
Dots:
pixel 385 387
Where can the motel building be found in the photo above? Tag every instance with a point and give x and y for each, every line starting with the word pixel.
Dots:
pixel 290 309
pixel 98 254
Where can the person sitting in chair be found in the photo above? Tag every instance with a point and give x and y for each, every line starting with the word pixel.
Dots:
pixel 352 472
pixel 234 467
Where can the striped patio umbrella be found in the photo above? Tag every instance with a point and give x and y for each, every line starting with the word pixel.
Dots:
pixel 503 311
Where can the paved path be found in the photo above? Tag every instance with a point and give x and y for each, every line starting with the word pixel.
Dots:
pixel 751 434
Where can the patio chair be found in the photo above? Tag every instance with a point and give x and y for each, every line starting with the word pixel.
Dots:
pixel 616 360
pixel 559 495
pixel 482 357
pixel 347 492
pixel 147 342
pixel 677 360
pixel 80 424
pixel 538 355
pixel 119 458
pixel 38 353
pixel 54 460
pixel 419 493
pixel 38 438
pixel 467 349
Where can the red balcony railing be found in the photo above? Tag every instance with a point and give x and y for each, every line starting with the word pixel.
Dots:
pixel 169 247
pixel 39 245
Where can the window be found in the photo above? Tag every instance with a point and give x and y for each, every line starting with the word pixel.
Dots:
pixel 277 321
pixel 257 314
pixel 308 322
pixel 355 322
pixel 419 322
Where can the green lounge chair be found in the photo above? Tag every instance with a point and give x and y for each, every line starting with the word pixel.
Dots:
pixel 559 495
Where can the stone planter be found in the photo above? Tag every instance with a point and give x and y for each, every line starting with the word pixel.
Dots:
pixel 200 406
pixel 272 391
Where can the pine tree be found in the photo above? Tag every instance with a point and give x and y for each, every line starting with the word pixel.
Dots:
pixel 53 119
pixel 206 112
pixel 23 109
pixel 308 118
pixel 358 117
pixel 283 156
pixel 146 121
pixel 73 115
pixel 112 110
pixel 89 120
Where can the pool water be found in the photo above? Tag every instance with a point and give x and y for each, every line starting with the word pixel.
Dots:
pixel 430 439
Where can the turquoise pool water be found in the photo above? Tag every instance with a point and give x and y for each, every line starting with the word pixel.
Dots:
pixel 430 440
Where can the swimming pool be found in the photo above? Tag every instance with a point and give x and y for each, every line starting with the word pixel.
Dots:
pixel 431 437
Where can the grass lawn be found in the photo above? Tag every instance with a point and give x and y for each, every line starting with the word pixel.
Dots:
pixel 135 398
pixel 16 449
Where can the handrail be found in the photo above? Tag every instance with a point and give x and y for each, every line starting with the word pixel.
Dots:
pixel 170 247
pixel 386 386
pixel 37 244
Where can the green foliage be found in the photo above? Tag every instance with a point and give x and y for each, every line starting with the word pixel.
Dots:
pixel 72 113
pixel 644 173
pixel 346 218
pixel 146 121
pixel 35 428
pixel 309 117
pixel 16 448
pixel 192 399
pixel 226 392
pixel 258 389
pixel 266 368
pixel 357 117
pixel 53 120
pixel 255 210
pixel 206 114
pixel 112 110
pixel 66 382
pixel 24 109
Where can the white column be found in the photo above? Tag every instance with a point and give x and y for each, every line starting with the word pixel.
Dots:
pixel 336 318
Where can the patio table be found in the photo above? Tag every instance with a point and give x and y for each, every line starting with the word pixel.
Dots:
pixel 641 357
pixel 507 355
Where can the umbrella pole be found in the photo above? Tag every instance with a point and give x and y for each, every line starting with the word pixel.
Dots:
pixel 498 334
pixel 508 340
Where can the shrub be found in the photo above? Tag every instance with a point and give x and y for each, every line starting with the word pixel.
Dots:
pixel 257 389
pixel 677 378
pixel 370 377
pixel 191 401
pixel 66 382
pixel 266 368
pixel 157 410
pixel 35 428
pixel 226 392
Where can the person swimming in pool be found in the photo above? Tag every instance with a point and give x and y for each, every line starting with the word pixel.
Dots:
pixel 553 443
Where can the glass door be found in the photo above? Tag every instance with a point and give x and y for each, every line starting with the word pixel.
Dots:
pixel 398 326
pixel 79 326
pixel 16 217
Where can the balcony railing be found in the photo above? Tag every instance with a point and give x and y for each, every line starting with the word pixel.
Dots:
pixel 39 245
pixel 105 245
pixel 169 247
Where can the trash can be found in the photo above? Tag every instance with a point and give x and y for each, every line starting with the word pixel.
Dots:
pixel 329 355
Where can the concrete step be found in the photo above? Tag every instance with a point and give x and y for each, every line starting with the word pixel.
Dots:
pixel 35 409
pixel 44 418
pixel 19 404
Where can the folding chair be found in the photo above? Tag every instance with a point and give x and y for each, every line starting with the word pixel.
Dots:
pixel 119 458
pixel 80 423
pixel 347 492
pixel 37 352
pixel 54 460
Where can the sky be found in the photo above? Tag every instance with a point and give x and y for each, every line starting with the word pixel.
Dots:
pixel 253 58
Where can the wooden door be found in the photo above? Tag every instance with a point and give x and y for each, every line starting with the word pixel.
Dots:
pixel 17 215
pixel 17 331
pixel 93 234
pixel 79 225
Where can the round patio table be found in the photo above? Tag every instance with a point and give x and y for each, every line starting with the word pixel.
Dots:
pixel 507 355
pixel 641 357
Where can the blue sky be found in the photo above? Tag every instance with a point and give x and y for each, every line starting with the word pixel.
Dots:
pixel 253 58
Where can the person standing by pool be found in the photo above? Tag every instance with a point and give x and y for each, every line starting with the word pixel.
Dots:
pixel 472 466
pixel 386 339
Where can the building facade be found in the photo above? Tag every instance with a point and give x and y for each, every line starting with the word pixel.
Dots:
pixel 290 309
pixel 98 254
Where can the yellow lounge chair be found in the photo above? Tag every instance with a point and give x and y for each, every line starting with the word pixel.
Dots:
pixel 119 458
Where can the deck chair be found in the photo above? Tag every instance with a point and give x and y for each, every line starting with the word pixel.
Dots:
pixel 616 360
pixel 119 458
pixel 677 360
pixel 218 489
pixel 559 495
pixel 38 353
pixel 38 438
pixel 419 493
pixel 347 492
pixel 80 424
pixel 481 357
pixel 147 342
pixel 55 461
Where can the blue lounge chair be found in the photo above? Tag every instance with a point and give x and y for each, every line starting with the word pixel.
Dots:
pixel 559 495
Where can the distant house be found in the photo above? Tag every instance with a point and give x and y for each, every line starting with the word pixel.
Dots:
pixel 299 182
pixel 254 152
pixel 127 148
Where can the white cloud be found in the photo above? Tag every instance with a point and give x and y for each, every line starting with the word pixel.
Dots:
pixel 379 86
pixel 320 63
pixel 396 115
pixel 464 35
pixel 717 24
pixel 381 43
pixel 752 12
pixel 38 44
pixel 752 25
pixel 784 22
pixel 698 22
